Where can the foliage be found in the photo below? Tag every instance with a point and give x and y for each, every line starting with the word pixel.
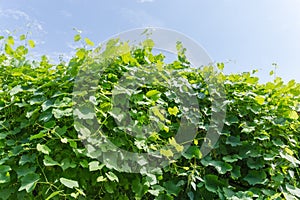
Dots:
pixel 42 156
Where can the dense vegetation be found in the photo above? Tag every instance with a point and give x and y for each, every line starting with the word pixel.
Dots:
pixel 42 136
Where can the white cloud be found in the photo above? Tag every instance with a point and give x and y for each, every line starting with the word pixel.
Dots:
pixel 15 14
pixel 19 21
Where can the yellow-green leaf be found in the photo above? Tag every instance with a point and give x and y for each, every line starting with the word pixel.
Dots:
pixel 177 146
pixel 89 42
pixel 290 152
pixel 10 41
pixel 31 43
pixel 152 93
pixel 77 37
pixel 157 113
pixel 148 43
pixel 22 37
pixel 167 153
pixel 167 129
pixel 260 100
pixel 293 115
pixel 173 111
pixel 80 53
pixel 8 49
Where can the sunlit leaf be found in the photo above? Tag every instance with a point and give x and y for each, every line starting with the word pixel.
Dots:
pixel 43 148
pixel 69 183
pixel 31 43
pixel 89 42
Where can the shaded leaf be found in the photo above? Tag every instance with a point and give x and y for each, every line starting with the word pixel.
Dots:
pixel 28 182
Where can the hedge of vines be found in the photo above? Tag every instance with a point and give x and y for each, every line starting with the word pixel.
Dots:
pixel 43 157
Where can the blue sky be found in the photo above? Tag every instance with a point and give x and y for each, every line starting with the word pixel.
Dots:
pixel 245 34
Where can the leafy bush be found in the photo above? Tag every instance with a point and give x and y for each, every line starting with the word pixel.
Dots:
pixel 43 156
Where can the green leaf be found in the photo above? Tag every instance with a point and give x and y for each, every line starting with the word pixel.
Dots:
pixel 220 166
pixel 148 43
pixel 233 141
pixel 157 113
pixel 16 90
pixel 260 100
pixel 167 153
pixel 69 183
pixel 38 136
pixel 231 158
pixel 50 124
pixel 220 66
pixel 101 179
pixel 293 115
pixel 232 120
pixel 22 37
pixel 152 93
pixel 58 113
pixel 36 100
pixel 4 177
pixel 212 183
pixel 28 182
pixel 84 132
pixel 109 188
pixel 256 177
pixel 94 166
pixel 4 168
pixel 5 193
pixel 47 104
pixel 248 129
pixel 77 37
pixel 177 146
pixel 31 43
pixel 255 163
pixel 53 194
pixel 45 116
pixel 66 163
pixel 4 174
pixel 24 170
pixel 295 162
pixel 85 113
pixel 27 158
pixel 278 142
pixel 43 148
pixel 112 177
pixel 10 41
pixel 171 188
pixel 48 161
pixel 236 172
pixel 84 164
pixel 81 53
pixel 8 50
pixel 293 190
pixel 192 152
pixel 89 42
